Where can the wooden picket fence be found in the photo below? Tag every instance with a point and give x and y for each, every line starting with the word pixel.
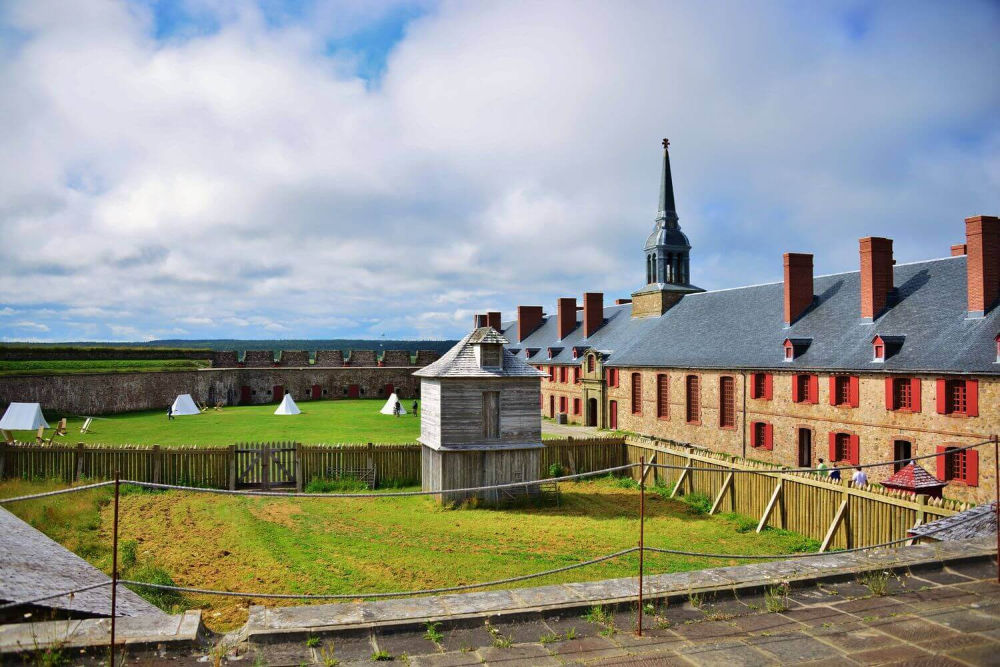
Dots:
pixel 835 513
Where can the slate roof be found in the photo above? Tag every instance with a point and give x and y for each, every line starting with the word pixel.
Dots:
pixel 460 361
pixel 32 565
pixel 743 328
pixel 980 521
pixel 913 478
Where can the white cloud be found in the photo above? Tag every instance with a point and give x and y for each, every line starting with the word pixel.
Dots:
pixel 240 181
pixel 33 326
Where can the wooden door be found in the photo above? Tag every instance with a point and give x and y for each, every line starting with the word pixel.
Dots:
pixel 491 415
pixel 613 415
pixel 353 391
pixel 245 395
pixel 389 389
pixel 279 393
pixel 805 448
pixel 317 392
pixel 902 452
pixel 552 406
pixel 591 412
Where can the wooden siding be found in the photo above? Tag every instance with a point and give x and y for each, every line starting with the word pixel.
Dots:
pixel 459 415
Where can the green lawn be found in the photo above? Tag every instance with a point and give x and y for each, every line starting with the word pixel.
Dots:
pixel 340 421
pixel 339 545
pixel 45 367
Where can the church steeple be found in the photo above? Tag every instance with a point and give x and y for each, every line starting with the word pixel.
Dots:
pixel 667 248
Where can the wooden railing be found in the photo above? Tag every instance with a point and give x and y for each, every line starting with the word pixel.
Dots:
pixel 837 514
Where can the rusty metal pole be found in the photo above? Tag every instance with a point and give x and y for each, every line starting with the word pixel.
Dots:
pixel 114 571
pixel 996 479
pixel 642 526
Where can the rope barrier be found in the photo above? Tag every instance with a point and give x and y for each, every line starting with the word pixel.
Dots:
pixel 72 489
pixel 8 605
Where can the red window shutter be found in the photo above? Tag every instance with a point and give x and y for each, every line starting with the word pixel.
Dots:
pixel 972 398
pixel 768 437
pixel 942 398
pixel 833 447
pixel 855 391
pixel 753 386
pixel 768 388
pixel 889 405
pixel 942 462
pixel 972 467
pixel 833 390
pixel 814 389
pixel 915 394
pixel 795 389
pixel 855 450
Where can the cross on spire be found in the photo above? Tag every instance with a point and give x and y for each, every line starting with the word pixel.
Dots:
pixel 666 143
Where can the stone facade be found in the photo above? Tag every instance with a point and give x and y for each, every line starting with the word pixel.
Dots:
pixel 362 358
pixel 876 427
pixel 107 393
pixel 329 358
pixel 258 358
pixel 395 358
pixel 294 358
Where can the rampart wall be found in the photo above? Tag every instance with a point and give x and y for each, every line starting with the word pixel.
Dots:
pixel 47 353
pixel 107 393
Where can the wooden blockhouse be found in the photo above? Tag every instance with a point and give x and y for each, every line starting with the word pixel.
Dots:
pixel 479 422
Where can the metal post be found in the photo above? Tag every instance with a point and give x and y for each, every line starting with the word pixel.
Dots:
pixel 996 478
pixel 642 525
pixel 114 571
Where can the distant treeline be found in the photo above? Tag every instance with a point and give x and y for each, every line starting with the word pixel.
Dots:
pixel 198 349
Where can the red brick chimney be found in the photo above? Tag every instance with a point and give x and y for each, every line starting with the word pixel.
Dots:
pixel 982 238
pixel 529 318
pixel 593 312
pixel 478 320
pixel 798 284
pixel 958 250
pixel 566 312
pixel 493 319
pixel 876 275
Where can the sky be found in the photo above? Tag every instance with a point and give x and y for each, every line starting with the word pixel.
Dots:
pixel 209 169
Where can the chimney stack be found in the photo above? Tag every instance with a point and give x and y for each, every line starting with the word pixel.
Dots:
pixel 529 318
pixel 493 319
pixel 958 250
pixel 876 275
pixel 478 320
pixel 982 239
pixel 593 312
pixel 798 285
pixel 566 312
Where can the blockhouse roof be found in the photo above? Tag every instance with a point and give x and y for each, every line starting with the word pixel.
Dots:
pixel 460 361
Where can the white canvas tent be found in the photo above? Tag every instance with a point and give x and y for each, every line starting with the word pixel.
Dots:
pixel 184 405
pixel 387 408
pixel 23 417
pixel 287 407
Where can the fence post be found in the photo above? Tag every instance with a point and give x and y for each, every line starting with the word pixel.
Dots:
pixel 371 463
pixel 298 467
pixel 265 467
pixel 231 456
pixel 3 458
pixel 78 462
pixel 157 464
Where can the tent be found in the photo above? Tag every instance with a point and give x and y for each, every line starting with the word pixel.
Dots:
pixel 387 408
pixel 23 417
pixel 287 407
pixel 184 405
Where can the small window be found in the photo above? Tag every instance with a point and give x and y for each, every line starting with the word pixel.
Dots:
pixel 727 402
pixel 576 375
pixel 693 399
pixel 789 352
pixel 801 388
pixel 562 374
pixel 576 406
pixel 759 385
pixel 636 394
pixel 842 446
pixel 842 390
pixel 562 404
pixel 956 397
pixel 759 437
pixel 491 355
pixel 902 394
pixel 956 462
pixel 879 352
pixel 663 396
pixel 590 363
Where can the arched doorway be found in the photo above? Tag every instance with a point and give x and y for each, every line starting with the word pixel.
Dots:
pixel 591 412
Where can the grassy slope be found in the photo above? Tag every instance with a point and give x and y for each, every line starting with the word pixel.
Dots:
pixel 364 545
pixel 45 367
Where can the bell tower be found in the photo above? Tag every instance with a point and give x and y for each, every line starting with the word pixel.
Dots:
pixel 667 252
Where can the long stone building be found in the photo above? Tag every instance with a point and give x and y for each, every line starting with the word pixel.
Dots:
pixel 884 362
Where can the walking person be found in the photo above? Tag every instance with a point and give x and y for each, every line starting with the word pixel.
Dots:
pixel 835 474
pixel 859 479
pixel 396 408
pixel 415 407
pixel 822 468
pixel 170 413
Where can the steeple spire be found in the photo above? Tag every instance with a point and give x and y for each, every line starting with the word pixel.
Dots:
pixel 667 210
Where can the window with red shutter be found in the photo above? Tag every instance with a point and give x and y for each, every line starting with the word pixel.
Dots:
pixel 841 390
pixel 636 394
pixel 576 406
pixel 902 394
pixel 759 385
pixel 955 397
pixel 801 389
pixel 727 402
pixel 562 404
pixel 663 396
pixel 576 375
pixel 759 438
pixel 693 399
pixel 842 448
pixel 613 415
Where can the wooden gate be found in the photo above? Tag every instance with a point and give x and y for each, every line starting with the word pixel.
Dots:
pixel 267 464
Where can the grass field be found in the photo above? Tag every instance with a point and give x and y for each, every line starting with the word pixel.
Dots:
pixel 340 545
pixel 341 421
pixel 46 367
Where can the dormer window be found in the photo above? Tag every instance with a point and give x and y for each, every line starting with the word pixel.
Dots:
pixel 884 347
pixel 795 347
pixel 491 356
pixel 488 344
